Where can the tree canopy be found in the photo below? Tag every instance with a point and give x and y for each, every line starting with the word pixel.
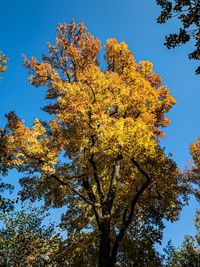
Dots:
pixel 26 241
pixel 5 203
pixel 99 154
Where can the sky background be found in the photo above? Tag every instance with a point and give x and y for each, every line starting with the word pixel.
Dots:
pixel 27 26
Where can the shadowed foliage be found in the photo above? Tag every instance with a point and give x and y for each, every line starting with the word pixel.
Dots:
pixel 188 13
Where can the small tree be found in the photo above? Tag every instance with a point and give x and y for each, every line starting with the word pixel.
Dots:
pixel 99 155
pixel 25 241
pixel 5 203
pixel 188 254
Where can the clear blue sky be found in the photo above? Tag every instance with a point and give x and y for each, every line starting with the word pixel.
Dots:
pixel 27 26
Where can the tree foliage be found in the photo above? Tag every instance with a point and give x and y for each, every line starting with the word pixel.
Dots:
pixel 188 13
pixel 3 62
pixel 99 153
pixel 5 203
pixel 193 175
pixel 25 241
pixel 188 254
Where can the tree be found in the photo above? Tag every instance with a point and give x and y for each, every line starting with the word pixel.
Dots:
pixel 137 247
pixel 99 154
pixel 5 203
pixel 193 173
pixel 188 13
pixel 25 241
pixel 188 254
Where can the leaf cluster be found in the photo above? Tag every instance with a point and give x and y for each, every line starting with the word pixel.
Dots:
pixel 188 13
pixel 3 61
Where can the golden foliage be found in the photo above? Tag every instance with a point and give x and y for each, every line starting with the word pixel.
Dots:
pixel 3 62
pixel 100 152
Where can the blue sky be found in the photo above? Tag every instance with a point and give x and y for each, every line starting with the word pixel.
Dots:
pixel 27 26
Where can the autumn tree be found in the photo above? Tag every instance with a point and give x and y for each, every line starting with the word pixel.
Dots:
pixel 5 203
pixel 188 13
pixel 99 154
pixel 188 253
pixel 193 172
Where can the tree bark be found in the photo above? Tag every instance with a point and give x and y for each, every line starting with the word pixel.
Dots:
pixel 105 243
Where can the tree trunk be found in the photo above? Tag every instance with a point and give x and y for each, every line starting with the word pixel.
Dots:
pixel 105 243
pixel 113 257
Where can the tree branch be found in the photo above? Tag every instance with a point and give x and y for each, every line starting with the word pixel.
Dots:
pixel 92 198
pixel 95 173
pixel 70 187
pixel 113 185
pixel 89 191
pixel 126 221
pixel 143 172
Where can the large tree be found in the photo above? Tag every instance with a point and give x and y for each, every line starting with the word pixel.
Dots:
pixel 188 13
pixel 99 153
